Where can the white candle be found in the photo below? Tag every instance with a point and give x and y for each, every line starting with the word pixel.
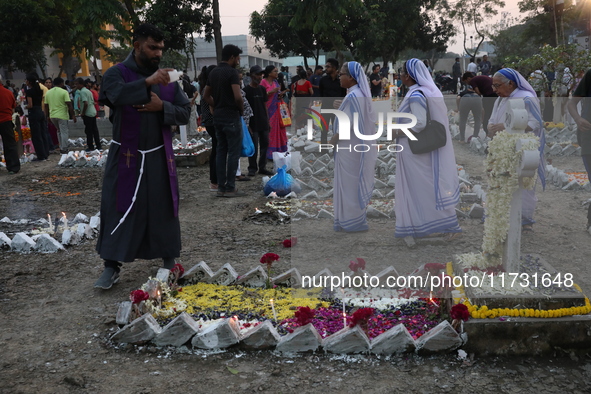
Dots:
pixel 344 311
pixel 50 224
pixel 273 309
pixel 65 220
pixel 159 299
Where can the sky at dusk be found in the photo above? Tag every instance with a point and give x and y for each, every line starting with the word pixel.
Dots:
pixel 235 16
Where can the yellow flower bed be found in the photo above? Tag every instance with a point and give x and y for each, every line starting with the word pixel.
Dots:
pixel 483 312
pixel 203 297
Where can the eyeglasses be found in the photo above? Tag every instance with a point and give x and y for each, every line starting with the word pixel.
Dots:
pixel 497 85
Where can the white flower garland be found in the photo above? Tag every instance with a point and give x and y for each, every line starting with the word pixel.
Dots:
pixel 501 164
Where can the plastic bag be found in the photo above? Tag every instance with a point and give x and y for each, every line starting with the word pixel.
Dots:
pixel 247 144
pixel 289 159
pixel 282 184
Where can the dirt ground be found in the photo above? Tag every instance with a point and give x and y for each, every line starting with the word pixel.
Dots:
pixel 54 325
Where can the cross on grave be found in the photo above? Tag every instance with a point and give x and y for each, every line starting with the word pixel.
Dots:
pixel 515 123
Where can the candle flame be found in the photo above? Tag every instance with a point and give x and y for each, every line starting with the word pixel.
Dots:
pixel 271 300
pixel 64 214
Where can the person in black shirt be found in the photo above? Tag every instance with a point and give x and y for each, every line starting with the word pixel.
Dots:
pixel 375 81
pixel 259 123
pixel 222 93
pixel 37 121
pixel 330 86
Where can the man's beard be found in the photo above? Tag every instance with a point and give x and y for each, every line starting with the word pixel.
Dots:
pixel 151 64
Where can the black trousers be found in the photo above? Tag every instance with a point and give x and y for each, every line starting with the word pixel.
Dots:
pixel 92 132
pixel 213 175
pixel 13 162
pixel 487 104
pixel 260 139
pixel 39 133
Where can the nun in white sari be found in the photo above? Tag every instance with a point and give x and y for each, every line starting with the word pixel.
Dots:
pixel 426 186
pixel 509 84
pixel 354 158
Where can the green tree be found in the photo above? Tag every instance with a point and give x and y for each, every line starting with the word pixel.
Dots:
pixel 413 26
pixel 26 24
pixel 272 27
pixel 178 19
pixel 473 14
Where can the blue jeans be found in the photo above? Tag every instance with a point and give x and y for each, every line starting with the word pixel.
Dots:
pixel 228 132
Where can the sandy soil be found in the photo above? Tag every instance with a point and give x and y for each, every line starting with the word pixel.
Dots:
pixel 55 325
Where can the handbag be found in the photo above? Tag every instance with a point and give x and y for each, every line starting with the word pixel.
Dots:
pixel 247 144
pixel 284 112
pixel 432 137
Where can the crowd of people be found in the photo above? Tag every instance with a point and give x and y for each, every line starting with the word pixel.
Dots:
pixel 45 107
pixel 140 197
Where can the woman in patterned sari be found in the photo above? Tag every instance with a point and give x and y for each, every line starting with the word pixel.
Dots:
pixel 277 134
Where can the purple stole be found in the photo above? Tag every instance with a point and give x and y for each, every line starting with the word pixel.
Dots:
pixel 128 151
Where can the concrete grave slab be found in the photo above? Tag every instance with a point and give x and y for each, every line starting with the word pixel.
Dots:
pixel 263 336
pixel 347 340
pixel 302 339
pixel 219 335
pixel 396 340
pixel 177 332
pixel 139 331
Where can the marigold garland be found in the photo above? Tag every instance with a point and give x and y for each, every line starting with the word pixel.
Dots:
pixel 483 312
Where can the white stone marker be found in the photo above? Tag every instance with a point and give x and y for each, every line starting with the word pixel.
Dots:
pixel 348 340
pixel 46 244
pixel 262 336
pixel 395 340
pixel 22 243
pixel 302 339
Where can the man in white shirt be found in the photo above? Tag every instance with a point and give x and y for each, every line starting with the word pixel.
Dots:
pixel 472 67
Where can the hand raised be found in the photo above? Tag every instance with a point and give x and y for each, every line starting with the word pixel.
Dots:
pixel 160 76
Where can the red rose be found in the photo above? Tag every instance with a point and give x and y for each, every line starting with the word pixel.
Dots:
pixel 287 243
pixel 177 268
pixel 269 258
pixel 138 296
pixel 304 315
pixel 460 312
pixel 357 264
pixel 360 263
pixel 361 316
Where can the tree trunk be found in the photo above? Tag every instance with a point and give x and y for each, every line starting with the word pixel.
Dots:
pixel 132 15
pixel 217 30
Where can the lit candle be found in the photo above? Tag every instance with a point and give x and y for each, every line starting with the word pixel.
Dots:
pixel 273 309
pixel 50 224
pixel 65 220
pixel 432 300
pixel 344 305
pixel 159 299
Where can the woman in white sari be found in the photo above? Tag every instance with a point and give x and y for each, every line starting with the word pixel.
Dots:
pixel 508 84
pixel 354 170
pixel 426 186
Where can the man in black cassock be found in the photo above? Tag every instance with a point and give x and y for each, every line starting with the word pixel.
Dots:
pixel 139 206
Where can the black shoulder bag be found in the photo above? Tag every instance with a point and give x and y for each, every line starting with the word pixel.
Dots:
pixel 433 136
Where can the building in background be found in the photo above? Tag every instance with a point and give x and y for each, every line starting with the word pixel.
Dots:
pixel 205 54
